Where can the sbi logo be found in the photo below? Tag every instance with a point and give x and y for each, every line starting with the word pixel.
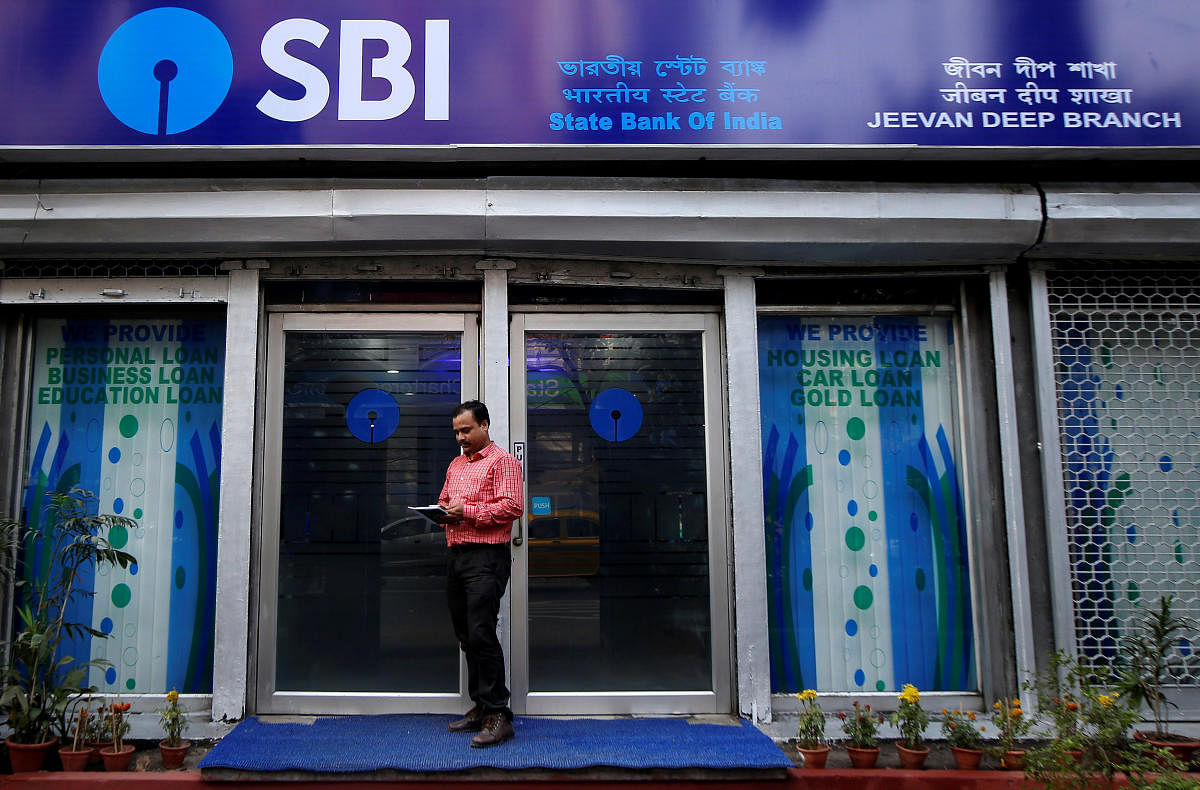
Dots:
pixel 168 70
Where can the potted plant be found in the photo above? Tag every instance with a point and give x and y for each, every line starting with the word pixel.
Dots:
pixel 173 720
pixel 861 727
pixel 1148 652
pixel 40 683
pixel 117 756
pixel 911 720
pixel 1011 725
pixel 99 731
pixel 78 754
pixel 1089 745
pixel 964 738
pixel 810 730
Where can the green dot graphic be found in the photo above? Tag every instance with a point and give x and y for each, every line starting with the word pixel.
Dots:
pixel 128 426
pixel 121 596
pixel 129 684
pixel 180 577
pixel 872 516
pixel 855 539
pixel 863 597
pixel 920 579
pixel 880 685
pixel 856 428
pixel 1179 553
pixel 137 512
pixel 118 536
pixel 1133 592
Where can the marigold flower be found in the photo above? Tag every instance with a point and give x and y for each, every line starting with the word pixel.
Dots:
pixel 1072 706
pixel 909 693
pixel 996 705
pixel 971 715
pixel 172 696
pixel 945 712
pixel 842 716
pixel 1105 700
pixel 1016 702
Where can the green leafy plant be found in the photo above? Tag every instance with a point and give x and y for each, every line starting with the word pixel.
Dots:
pixel 1058 687
pixel 910 718
pixel 861 727
pixel 119 726
pixel 1010 721
pixel 1088 744
pixel 172 719
pixel 1147 652
pixel 960 729
pixel 40 683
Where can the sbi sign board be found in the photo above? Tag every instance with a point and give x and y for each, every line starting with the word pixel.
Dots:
pixel 167 70
pixel 377 73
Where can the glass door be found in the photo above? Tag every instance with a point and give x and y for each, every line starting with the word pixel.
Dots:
pixel 352 614
pixel 619 592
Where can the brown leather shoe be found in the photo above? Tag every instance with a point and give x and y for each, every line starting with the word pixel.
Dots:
pixel 472 722
pixel 496 730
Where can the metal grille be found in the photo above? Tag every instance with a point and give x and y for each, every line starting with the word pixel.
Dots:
pixel 1127 371
pixel 109 268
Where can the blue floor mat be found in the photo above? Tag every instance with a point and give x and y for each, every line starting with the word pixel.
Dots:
pixel 344 744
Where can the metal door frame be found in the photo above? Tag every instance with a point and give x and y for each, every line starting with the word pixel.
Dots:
pixel 268 699
pixel 716 699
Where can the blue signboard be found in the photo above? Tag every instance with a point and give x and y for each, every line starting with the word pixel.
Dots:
pixel 774 73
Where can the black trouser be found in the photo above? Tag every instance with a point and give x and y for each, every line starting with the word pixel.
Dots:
pixel 476 576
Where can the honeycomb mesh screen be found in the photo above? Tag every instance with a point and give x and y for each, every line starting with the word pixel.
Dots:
pixel 1126 348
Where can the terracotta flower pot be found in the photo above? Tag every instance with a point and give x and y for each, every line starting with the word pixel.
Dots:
pixel 75 759
pixel 96 747
pixel 117 760
pixel 172 756
pixel 28 756
pixel 912 759
pixel 966 759
pixel 1180 746
pixel 814 758
pixel 863 758
pixel 1013 759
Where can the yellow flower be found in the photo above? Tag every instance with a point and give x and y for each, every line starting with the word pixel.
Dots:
pixel 1016 703
pixel 971 715
pixel 909 693
pixel 996 705
pixel 806 695
pixel 1105 700
pixel 172 696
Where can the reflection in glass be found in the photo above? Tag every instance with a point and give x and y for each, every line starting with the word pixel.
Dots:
pixel 366 433
pixel 618 519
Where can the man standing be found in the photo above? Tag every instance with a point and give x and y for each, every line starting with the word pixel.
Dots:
pixel 483 494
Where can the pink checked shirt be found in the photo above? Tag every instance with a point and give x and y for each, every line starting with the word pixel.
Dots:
pixel 489 482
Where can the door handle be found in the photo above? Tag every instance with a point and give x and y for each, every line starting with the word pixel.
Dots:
pixel 519 454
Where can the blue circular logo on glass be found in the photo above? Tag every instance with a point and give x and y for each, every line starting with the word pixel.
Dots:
pixel 165 71
pixel 616 414
pixel 372 415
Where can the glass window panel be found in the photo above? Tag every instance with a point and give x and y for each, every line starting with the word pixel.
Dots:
pixel 868 578
pixel 366 433
pixel 130 409
pixel 618 533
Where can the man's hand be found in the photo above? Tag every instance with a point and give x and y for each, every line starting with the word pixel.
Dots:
pixel 455 511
